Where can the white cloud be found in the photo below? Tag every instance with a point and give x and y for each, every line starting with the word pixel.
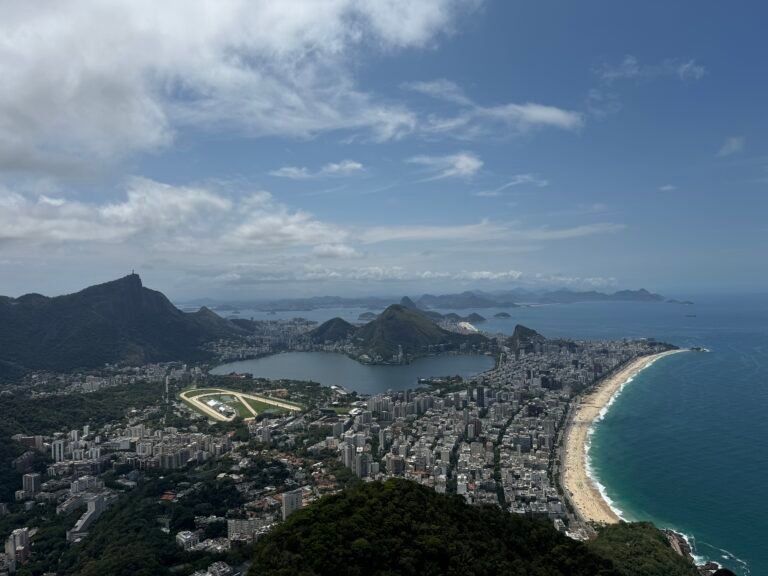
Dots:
pixel 732 145
pixel 335 251
pixel 461 165
pixel 125 77
pixel 475 121
pixel 441 89
pixel 292 172
pixel 516 180
pixel 488 275
pixel 266 223
pixel 631 69
pixel 563 281
pixel 485 230
pixel 167 218
pixel 343 168
pixel 690 70
pixel 604 100
pixel 150 208
pixel 255 275
pixel 667 188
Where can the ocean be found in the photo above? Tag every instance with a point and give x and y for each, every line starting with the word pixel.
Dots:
pixel 683 445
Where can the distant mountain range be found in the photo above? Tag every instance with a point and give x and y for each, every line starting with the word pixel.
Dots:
pixel 117 322
pixel 398 326
pixel 470 299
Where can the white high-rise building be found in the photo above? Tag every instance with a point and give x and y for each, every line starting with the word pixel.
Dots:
pixel 292 501
pixel 57 450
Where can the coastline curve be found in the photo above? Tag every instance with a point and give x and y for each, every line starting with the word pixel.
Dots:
pixel 581 486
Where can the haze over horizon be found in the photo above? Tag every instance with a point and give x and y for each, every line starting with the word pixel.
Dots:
pixel 264 150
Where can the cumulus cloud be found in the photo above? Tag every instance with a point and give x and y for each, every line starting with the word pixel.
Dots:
pixel 126 76
pixel 461 165
pixel 732 145
pixel 474 121
pixel 343 168
pixel 179 218
pixel 149 207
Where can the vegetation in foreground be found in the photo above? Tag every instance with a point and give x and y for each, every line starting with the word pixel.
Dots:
pixel 401 528
pixel 640 550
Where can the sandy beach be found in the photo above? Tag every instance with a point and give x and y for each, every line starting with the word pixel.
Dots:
pixel 583 493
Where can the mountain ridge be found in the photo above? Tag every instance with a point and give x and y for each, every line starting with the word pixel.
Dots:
pixel 397 328
pixel 119 321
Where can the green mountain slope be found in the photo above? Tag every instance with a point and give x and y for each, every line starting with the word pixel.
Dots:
pixel 333 330
pixel 401 528
pixel 401 326
pixel 640 550
pixel 119 321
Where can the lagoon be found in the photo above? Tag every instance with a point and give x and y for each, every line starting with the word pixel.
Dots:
pixel 336 369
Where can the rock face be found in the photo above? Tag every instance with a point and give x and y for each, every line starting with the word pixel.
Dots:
pixel 119 321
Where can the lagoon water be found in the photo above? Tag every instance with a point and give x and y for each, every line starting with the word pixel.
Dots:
pixel 329 369
pixel 682 446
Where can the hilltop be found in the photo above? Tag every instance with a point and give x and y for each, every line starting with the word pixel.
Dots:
pixel 334 330
pixel 116 322
pixel 524 338
pixel 400 527
pixel 398 326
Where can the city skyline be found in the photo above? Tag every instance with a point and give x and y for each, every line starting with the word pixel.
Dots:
pixel 264 151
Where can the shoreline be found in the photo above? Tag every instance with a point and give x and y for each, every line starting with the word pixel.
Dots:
pixel 580 487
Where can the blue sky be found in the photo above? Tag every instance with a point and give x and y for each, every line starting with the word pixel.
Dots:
pixel 255 149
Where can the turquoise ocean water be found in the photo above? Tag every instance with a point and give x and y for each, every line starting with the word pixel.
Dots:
pixel 684 444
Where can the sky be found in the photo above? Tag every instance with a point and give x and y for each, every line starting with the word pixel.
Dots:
pixel 256 149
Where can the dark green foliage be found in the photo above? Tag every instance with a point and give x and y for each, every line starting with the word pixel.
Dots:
pixel 640 550
pixel 127 539
pixel 24 415
pixel 120 321
pixel 402 528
